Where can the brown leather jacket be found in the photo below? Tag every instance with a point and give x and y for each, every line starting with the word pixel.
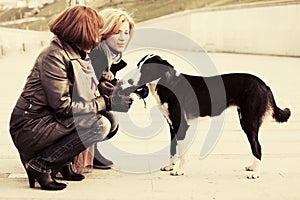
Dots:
pixel 48 100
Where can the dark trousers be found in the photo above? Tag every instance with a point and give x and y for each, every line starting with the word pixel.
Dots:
pixel 63 151
pixel 45 143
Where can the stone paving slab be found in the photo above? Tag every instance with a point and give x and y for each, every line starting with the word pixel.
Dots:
pixel 220 175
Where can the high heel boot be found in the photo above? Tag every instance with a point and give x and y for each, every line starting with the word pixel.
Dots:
pixel 44 179
pixel 99 161
pixel 68 174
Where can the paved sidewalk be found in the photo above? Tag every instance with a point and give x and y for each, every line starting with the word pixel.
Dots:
pixel 219 176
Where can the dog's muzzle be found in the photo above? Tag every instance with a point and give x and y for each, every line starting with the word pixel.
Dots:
pixel 130 81
pixel 141 91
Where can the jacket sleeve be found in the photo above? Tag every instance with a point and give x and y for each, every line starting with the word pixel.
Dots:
pixel 58 89
pixel 99 61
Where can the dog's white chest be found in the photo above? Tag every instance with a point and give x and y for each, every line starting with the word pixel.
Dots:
pixel 163 107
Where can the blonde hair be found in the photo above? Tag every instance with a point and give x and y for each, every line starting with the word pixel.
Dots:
pixel 79 25
pixel 113 18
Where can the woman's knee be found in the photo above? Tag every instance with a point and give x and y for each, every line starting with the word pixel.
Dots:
pixel 112 133
pixel 113 120
pixel 105 125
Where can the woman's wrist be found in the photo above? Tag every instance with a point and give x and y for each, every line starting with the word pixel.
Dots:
pixel 107 102
pixel 100 103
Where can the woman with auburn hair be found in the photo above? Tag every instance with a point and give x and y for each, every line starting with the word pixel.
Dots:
pixel 107 60
pixel 57 114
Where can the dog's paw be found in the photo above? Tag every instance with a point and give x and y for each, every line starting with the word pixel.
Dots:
pixel 249 168
pixel 253 176
pixel 255 166
pixel 177 173
pixel 254 170
pixel 167 168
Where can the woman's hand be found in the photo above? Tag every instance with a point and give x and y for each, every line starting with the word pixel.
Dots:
pixel 106 88
pixel 108 75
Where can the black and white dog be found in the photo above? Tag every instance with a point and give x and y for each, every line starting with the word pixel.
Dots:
pixel 183 97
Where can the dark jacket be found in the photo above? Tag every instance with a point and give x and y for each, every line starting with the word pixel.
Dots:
pixel 44 112
pixel 100 62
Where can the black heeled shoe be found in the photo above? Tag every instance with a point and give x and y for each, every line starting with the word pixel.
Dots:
pixel 68 174
pixel 44 179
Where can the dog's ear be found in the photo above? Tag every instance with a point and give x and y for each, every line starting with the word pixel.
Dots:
pixel 165 62
pixel 155 59
pixel 159 60
pixel 142 60
pixel 145 59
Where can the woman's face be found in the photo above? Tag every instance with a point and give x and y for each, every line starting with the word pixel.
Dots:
pixel 119 40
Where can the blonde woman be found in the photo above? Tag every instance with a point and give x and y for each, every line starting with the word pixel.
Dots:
pixel 116 34
pixel 107 61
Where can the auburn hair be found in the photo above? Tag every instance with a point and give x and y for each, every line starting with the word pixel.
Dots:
pixel 79 25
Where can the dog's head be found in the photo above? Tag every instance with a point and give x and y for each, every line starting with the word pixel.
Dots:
pixel 150 68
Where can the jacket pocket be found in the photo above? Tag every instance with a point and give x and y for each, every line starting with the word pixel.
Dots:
pixel 67 122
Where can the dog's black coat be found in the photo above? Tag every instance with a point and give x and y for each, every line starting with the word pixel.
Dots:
pixel 189 97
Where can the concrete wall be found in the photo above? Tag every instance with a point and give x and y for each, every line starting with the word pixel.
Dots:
pixel 14 41
pixel 273 30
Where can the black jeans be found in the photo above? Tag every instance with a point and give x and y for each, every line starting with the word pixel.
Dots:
pixel 63 151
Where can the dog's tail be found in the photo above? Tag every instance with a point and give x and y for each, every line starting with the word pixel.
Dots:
pixel 278 114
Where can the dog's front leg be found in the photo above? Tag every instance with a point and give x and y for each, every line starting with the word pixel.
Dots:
pixel 179 160
pixel 173 152
pixel 254 168
pixel 173 157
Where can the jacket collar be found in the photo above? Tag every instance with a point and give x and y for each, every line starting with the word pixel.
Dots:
pixel 71 51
